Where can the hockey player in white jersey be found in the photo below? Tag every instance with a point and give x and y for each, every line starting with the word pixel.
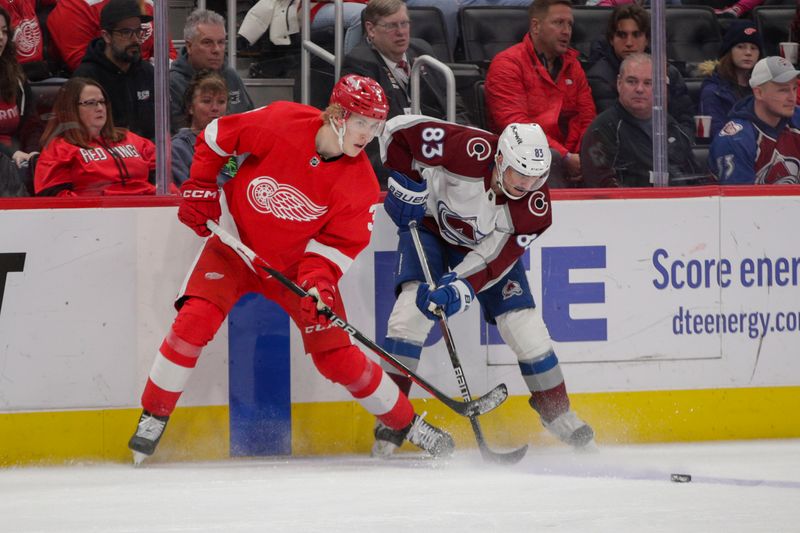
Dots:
pixel 479 201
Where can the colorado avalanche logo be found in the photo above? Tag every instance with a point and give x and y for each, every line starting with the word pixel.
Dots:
pixel 780 170
pixel 458 229
pixel 283 201
pixel 479 148
pixel 511 288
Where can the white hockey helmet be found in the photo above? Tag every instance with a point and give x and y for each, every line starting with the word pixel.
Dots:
pixel 524 148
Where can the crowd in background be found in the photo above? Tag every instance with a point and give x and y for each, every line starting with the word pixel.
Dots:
pixel 96 137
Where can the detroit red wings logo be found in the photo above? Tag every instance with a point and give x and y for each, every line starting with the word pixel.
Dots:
pixel 27 38
pixel 283 201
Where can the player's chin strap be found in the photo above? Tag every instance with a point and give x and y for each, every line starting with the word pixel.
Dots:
pixel 339 131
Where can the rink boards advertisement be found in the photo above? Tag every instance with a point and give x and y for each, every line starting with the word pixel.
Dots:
pixel 674 319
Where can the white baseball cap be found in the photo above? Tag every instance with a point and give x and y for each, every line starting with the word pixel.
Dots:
pixel 773 68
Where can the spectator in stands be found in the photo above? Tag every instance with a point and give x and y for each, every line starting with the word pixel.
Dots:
pixel 115 61
pixel 27 37
pixel 730 79
pixel 206 99
pixel 282 20
pixel 617 150
pixel 205 37
pixel 20 126
pixel 85 155
pixel 540 80
pixel 73 24
pixel 386 55
pixel 628 32
pixel 761 142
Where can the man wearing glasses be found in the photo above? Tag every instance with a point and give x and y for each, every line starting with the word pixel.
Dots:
pixel 386 55
pixel 115 61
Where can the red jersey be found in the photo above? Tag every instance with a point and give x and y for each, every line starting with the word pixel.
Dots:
pixel 285 199
pixel 27 33
pixel 457 162
pixel 119 168
pixel 74 23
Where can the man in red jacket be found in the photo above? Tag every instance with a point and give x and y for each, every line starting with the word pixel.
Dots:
pixel 540 80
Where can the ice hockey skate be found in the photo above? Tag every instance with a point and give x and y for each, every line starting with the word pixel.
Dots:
pixel 437 442
pixel 573 431
pixel 148 433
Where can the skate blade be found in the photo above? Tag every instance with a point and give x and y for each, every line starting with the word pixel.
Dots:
pixel 138 458
pixel 589 448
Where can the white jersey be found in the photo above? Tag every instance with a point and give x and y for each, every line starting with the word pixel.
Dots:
pixel 457 162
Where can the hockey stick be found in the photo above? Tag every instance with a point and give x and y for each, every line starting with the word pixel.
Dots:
pixel 511 457
pixel 479 406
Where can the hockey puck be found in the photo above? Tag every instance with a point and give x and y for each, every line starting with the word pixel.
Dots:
pixel 680 478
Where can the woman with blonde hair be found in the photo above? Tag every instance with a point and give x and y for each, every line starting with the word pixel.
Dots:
pixel 85 154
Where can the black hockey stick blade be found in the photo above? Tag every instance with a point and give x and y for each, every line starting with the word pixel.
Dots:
pixel 487 453
pixel 484 404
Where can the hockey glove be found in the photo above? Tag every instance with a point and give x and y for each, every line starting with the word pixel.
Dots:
pixel 322 295
pixel 452 295
pixel 200 204
pixel 405 199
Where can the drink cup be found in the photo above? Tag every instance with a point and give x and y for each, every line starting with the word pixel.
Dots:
pixel 702 126
pixel 789 52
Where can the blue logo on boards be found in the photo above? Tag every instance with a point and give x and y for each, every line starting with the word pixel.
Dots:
pixel 558 293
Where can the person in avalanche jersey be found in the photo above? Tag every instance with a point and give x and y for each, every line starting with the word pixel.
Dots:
pixel 761 143
pixel 303 200
pixel 480 201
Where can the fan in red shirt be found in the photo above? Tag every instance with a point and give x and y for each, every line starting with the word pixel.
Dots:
pixel 303 200
pixel 85 155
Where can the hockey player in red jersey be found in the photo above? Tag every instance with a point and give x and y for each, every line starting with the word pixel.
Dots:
pixel 302 200
pixel 480 200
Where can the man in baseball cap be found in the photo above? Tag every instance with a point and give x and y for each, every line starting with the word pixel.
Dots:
pixel 114 60
pixel 761 142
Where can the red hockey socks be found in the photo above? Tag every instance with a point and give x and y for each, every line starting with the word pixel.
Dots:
pixel 368 384
pixel 196 324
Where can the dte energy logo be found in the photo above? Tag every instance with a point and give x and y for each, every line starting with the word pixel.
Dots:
pixel 9 262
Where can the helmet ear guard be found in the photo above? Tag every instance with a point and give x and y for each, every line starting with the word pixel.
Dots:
pixel 524 148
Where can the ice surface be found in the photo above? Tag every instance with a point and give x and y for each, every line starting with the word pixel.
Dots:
pixel 737 487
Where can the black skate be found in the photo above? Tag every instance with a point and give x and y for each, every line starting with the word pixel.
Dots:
pixel 433 440
pixel 148 433
pixel 387 440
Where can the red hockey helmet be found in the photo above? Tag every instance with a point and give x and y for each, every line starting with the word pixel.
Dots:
pixel 362 95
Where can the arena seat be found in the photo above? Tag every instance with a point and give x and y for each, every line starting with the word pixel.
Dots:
pixel 693 36
pixel 427 23
pixel 590 25
pixel 487 30
pixel 479 113
pixel 773 23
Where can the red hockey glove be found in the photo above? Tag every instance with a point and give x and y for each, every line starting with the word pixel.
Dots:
pixel 323 294
pixel 200 204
